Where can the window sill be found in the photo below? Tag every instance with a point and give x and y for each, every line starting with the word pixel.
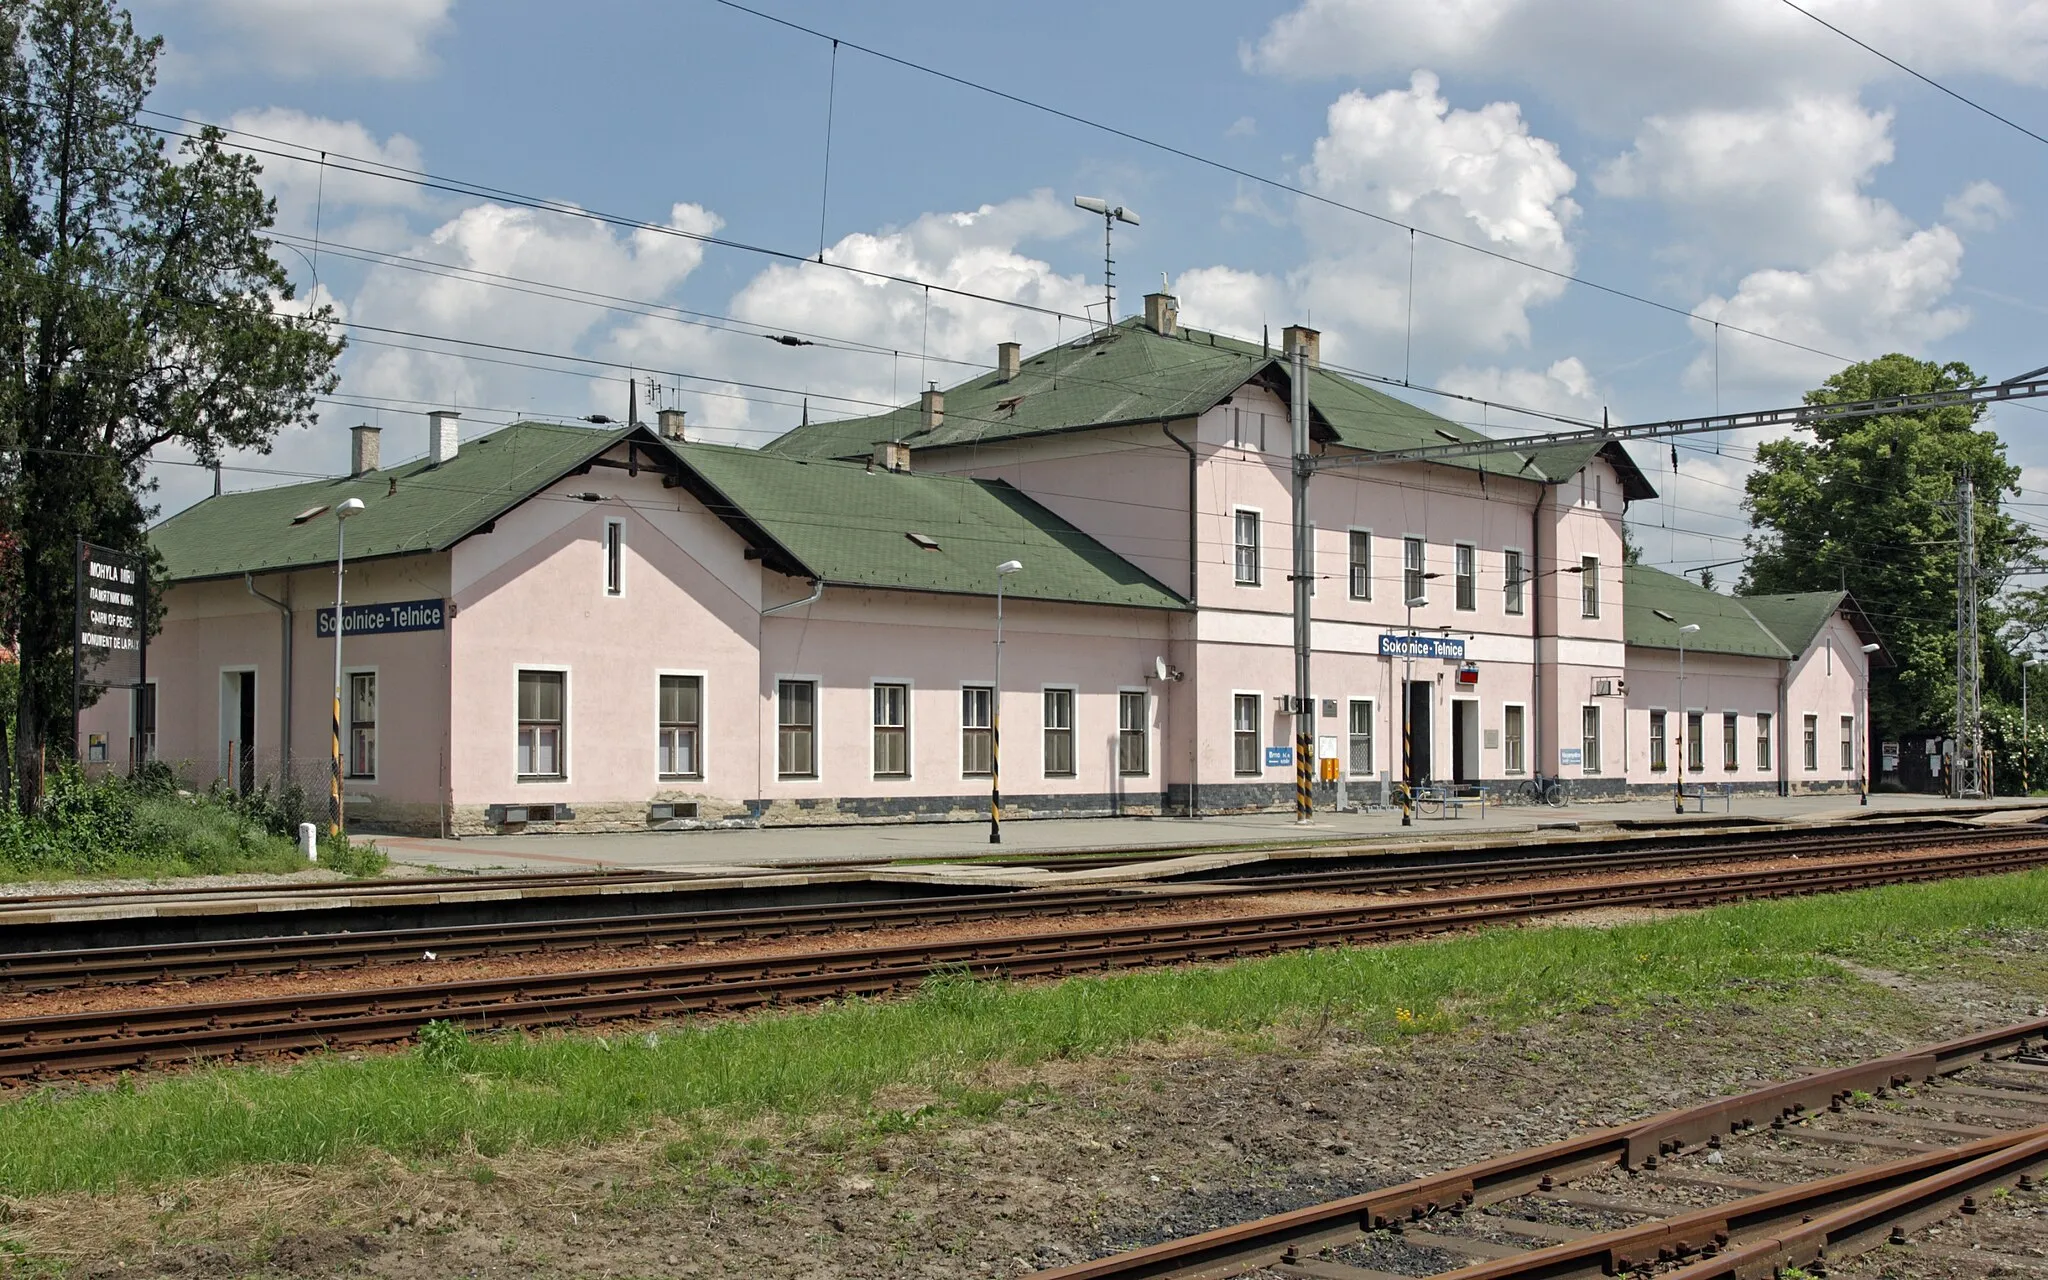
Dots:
pixel 543 777
pixel 892 777
pixel 796 777
pixel 680 777
pixel 1121 774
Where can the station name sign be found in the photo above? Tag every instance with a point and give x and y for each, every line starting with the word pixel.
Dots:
pixel 112 617
pixel 1392 646
pixel 384 619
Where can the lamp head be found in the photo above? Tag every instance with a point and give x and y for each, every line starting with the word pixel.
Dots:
pixel 1872 648
pixel 1688 628
pixel 1009 566
pixel 1415 602
pixel 347 507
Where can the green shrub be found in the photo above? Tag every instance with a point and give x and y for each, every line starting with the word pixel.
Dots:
pixel 140 827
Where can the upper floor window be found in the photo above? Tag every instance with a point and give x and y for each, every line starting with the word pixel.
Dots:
pixel 1247 535
pixel 1412 582
pixel 1467 566
pixel 614 557
pixel 1589 586
pixel 1361 564
pixel 1511 562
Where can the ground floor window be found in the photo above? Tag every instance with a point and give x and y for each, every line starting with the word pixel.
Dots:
pixel 892 731
pixel 1132 734
pixel 362 724
pixel 142 715
pixel 1358 762
pixel 796 728
pixel 1729 742
pixel 1695 741
pixel 1244 735
pixel 1589 738
pixel 977 732
pixel 1812 742
pixel 680 723
pixel 1514 739
pixel 1658 757
pixel 543 753
pixel 1059 733
pixel 1848 744
pixel 1763 740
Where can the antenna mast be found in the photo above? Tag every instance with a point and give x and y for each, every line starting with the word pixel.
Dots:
pixel 1111 215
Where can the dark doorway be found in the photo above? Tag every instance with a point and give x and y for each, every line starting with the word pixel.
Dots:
pixel 1420 694
pixel 1464 740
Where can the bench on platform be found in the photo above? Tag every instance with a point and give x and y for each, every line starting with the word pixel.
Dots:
pixel 1699 793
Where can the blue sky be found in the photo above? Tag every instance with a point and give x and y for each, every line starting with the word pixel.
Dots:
pixel 1728 157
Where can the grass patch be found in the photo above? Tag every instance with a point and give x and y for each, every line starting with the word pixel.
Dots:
pixel 148 827
pixel 488 1095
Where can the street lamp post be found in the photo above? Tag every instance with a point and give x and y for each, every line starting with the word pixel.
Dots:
pixel 1408 708
pixel 1684 716
pixel 995 715
pixel 1863 726
pixel 336 819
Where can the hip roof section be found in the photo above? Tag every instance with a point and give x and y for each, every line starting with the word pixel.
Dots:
pixel 1776 626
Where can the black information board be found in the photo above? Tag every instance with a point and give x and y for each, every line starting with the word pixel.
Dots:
pixel 112 632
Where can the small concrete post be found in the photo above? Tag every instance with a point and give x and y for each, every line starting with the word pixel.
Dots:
pixel 309 841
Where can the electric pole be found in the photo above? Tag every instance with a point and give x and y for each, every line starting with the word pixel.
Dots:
pixel 1303 580
pixel 1967 774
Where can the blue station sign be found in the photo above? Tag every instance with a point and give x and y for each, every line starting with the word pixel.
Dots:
pixel 1393 646
pixel 1279 757
pixel 385 619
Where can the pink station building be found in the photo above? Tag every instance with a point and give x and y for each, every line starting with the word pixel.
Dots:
pixel 557 627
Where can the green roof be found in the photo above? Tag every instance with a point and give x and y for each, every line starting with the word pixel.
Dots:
pixel 1781 626
pixel 835 522
pixel 409 508
pixel 845 524
pixel 1131 374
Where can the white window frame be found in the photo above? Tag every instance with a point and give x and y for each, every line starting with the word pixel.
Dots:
pixel 1258 734
pixel 348 727
pixel 908 726
pixel 1509 765
pixel 1144 730
pixel 1465 576
pixel 1660 740
pixel 1589 586
pixel 817 724
pixel 1372 738
pixel 1352 564
pixel 1258 547
pixel 1809 735
pixel 1686 741
pixel 230 767
pixel 1731 741
pixel 1591 758
pixel 1848 744
pixel 1419 568
pixel 703 679
pixel 1766 749
pixel 562 746
pixel 134 729
pixel 988 728
pixel 1515 586
pixel 1072 730
pixel 614 546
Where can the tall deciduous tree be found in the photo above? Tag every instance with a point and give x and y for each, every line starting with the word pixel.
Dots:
pixel 140 306
pixel 1868 504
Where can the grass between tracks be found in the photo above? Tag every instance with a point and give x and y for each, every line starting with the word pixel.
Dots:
pixel 502 1092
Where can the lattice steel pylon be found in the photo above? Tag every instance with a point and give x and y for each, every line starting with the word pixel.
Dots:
pixel 1966 776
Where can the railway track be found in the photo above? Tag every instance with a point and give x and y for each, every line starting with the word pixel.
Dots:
pixel 1742 1187
pixel 190 961
pixel 58 1044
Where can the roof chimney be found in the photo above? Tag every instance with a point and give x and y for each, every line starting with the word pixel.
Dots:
pixel 932 404
pixel 444 435
pixel 1009 360
pixel 362 448
pixel 671 424
pixel 1309 340
pixel 892 455
pixel 1162 314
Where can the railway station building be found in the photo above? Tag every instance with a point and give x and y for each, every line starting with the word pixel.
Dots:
pixel 557 627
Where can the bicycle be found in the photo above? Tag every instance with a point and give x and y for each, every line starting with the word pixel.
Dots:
pixel 1540 790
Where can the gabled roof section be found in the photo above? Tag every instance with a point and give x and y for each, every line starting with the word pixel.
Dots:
pixel 1781 626
pixel 845 524
pixel 1563 461
pixel 1131 374
pixel 409 508
pixel 1725 624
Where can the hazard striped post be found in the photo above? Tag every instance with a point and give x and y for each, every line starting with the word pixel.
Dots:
pixel 1303 582
pixel 995 715
pixel 336 819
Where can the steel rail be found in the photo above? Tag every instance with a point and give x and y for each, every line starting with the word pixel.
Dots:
pixel 50 970
pixel 106 1040
pixel 1789 1225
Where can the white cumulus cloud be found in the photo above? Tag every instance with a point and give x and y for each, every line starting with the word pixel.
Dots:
pixel 304 39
